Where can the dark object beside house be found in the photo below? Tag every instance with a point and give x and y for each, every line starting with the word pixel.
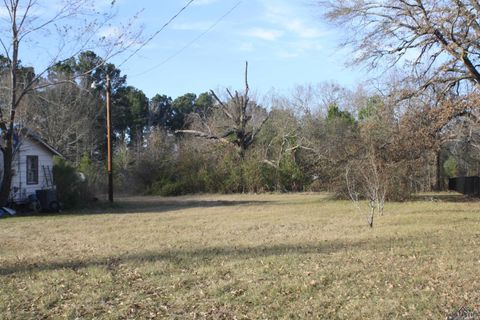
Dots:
pixel 466 185
pixel 48 200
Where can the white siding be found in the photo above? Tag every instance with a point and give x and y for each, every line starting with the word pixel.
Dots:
pixel 20 188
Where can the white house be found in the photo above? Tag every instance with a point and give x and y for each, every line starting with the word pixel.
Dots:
pixel 32 166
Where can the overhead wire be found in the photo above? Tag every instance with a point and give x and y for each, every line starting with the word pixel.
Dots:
pixel 157 32
pixel 189 44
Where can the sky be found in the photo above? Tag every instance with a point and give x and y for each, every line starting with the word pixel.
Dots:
pixel 286 43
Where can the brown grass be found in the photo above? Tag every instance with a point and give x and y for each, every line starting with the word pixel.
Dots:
pixel 297 256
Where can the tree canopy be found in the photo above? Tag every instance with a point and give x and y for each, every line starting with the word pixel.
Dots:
pixel 437 39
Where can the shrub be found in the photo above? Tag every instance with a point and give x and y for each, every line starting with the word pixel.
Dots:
pixel 450 167
pixel 72 189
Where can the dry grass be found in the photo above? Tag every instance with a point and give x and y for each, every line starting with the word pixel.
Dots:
pixel 242 256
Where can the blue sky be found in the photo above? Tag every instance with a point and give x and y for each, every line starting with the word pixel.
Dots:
pixel 285 42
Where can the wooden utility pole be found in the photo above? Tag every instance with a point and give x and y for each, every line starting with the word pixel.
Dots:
pixel 109 142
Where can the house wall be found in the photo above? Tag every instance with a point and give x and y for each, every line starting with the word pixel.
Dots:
pixel 20 188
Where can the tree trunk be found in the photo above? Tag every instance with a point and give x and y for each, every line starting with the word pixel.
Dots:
pixel 7 176
pixel 439 178
pixel 371 217
pixel 8 135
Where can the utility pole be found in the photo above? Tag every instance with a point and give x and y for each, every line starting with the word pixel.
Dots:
pixel 109 141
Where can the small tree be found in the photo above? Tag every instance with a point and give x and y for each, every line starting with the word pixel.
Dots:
pixel 368 173
pixel 367 180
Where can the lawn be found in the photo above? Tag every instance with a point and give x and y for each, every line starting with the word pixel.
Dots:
pixel 298 256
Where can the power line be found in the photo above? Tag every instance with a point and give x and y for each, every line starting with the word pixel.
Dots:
pixel 191 42
pixel 157 32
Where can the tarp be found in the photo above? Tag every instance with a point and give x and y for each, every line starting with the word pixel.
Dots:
pixel 4 211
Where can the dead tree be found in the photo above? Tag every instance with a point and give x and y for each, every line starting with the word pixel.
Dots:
pixel 239 122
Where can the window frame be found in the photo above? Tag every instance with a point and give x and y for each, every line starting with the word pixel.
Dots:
pixel 35 173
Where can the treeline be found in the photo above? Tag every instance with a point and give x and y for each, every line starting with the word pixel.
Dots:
pixel 318 138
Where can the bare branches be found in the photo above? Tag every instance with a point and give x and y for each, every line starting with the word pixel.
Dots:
pixel 421 34
pixel 246 80
pixel 204 135
pixel 241 122
pixel 222 105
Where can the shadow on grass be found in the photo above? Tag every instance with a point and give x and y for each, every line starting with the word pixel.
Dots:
pixel 186 256
pixel 159 205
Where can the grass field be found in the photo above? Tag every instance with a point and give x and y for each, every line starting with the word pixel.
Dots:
pixel 297 256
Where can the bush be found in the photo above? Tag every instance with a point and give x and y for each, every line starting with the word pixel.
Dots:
pixel 95 174
pixel 450 167
pixel 72 190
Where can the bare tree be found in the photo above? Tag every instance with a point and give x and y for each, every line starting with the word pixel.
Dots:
pixel 438 39
pixel 66 116
pixel 366 180
pixel 72 25
pixel 236 122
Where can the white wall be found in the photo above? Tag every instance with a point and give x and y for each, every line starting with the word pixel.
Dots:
pixel 29 147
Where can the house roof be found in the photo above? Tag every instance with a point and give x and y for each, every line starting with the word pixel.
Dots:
pixel 35 137
pixel 47 146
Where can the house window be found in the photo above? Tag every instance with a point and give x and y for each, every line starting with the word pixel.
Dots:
pixel 32 169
